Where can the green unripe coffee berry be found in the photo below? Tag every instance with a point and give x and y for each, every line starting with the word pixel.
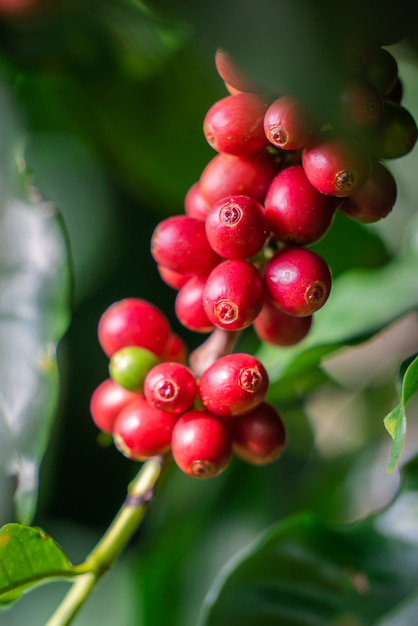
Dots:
pixel 129 366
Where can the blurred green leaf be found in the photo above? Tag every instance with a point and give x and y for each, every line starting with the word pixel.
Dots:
pixel 28 557
pixel 395 421
pixel 303 572
pixel 34 314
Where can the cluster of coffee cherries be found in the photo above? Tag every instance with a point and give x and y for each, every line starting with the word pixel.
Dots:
pixel 239 255
pixel 152 404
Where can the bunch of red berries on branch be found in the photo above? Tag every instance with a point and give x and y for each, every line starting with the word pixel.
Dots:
pixel 153 403
pixel 239 255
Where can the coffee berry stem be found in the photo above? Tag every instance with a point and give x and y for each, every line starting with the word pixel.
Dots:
pixel 140 492
pixel 219 343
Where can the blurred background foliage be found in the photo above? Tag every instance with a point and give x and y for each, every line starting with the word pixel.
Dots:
pixel 109 99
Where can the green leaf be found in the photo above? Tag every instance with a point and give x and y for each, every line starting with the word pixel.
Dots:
pixel 395 421
pixel 34 314
pixel 29 557
pixel 303 572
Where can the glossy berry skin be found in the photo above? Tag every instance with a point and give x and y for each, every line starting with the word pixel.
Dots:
pixel 233 295
pixel 180 244
pixel 171 387
pixel 278 328
pixel 107 401
pixel 236 227
pixel 133 322
pixel 195 204
pixel 375 199
pixel 232 175
pixel 296 212
pixel 141 430
pixel 234 124
pixel 189 307
pixel 129 366
pixel 335 166
pixel 287 124
pixel 259 436
pixel 298 281
pixel 201 444
pixel 233 385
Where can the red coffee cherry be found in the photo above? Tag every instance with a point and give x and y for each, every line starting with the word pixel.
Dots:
pixel 296 212
pixel 233 175
pixel 194 203
pixel 201 444
pixel 298 281
pixel 396 134
pixel 287 124
pixel 375 199
pixel 361 104
pixel 141 430
pixel 259 436
pixel 233 385
pixel 278 328
pixel 171 387
pixel 335 166
pixel 175 280
pixel 107 401
pixel 180 243
pixel 133 322
pixel 189 306
pixel 233 295
pixel 235 124
pixel 236 227
pixel 176 349
pixel 231 74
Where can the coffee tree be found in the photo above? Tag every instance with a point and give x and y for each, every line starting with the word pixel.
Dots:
pixel 209 283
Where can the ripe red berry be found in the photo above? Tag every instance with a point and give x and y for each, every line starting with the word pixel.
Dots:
pixel 278 328
pixel 296 212
pixel 201 444
pixel 232 175
pixel 180 243
pixel 107 401
pixel 375 199
pixel 236 227
pixel 129 366
pixel 231 74
pixel 298 281
pixel 259 436
pixel 194 203
pixel 233 385
pixel 141 430
pixel 171 387
pixel 176 349
pixel 133 322
pixel 287 124
pixel 175 280
pixel 335 166
pixel 233 295
pixel 235 124
pixel 189 306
